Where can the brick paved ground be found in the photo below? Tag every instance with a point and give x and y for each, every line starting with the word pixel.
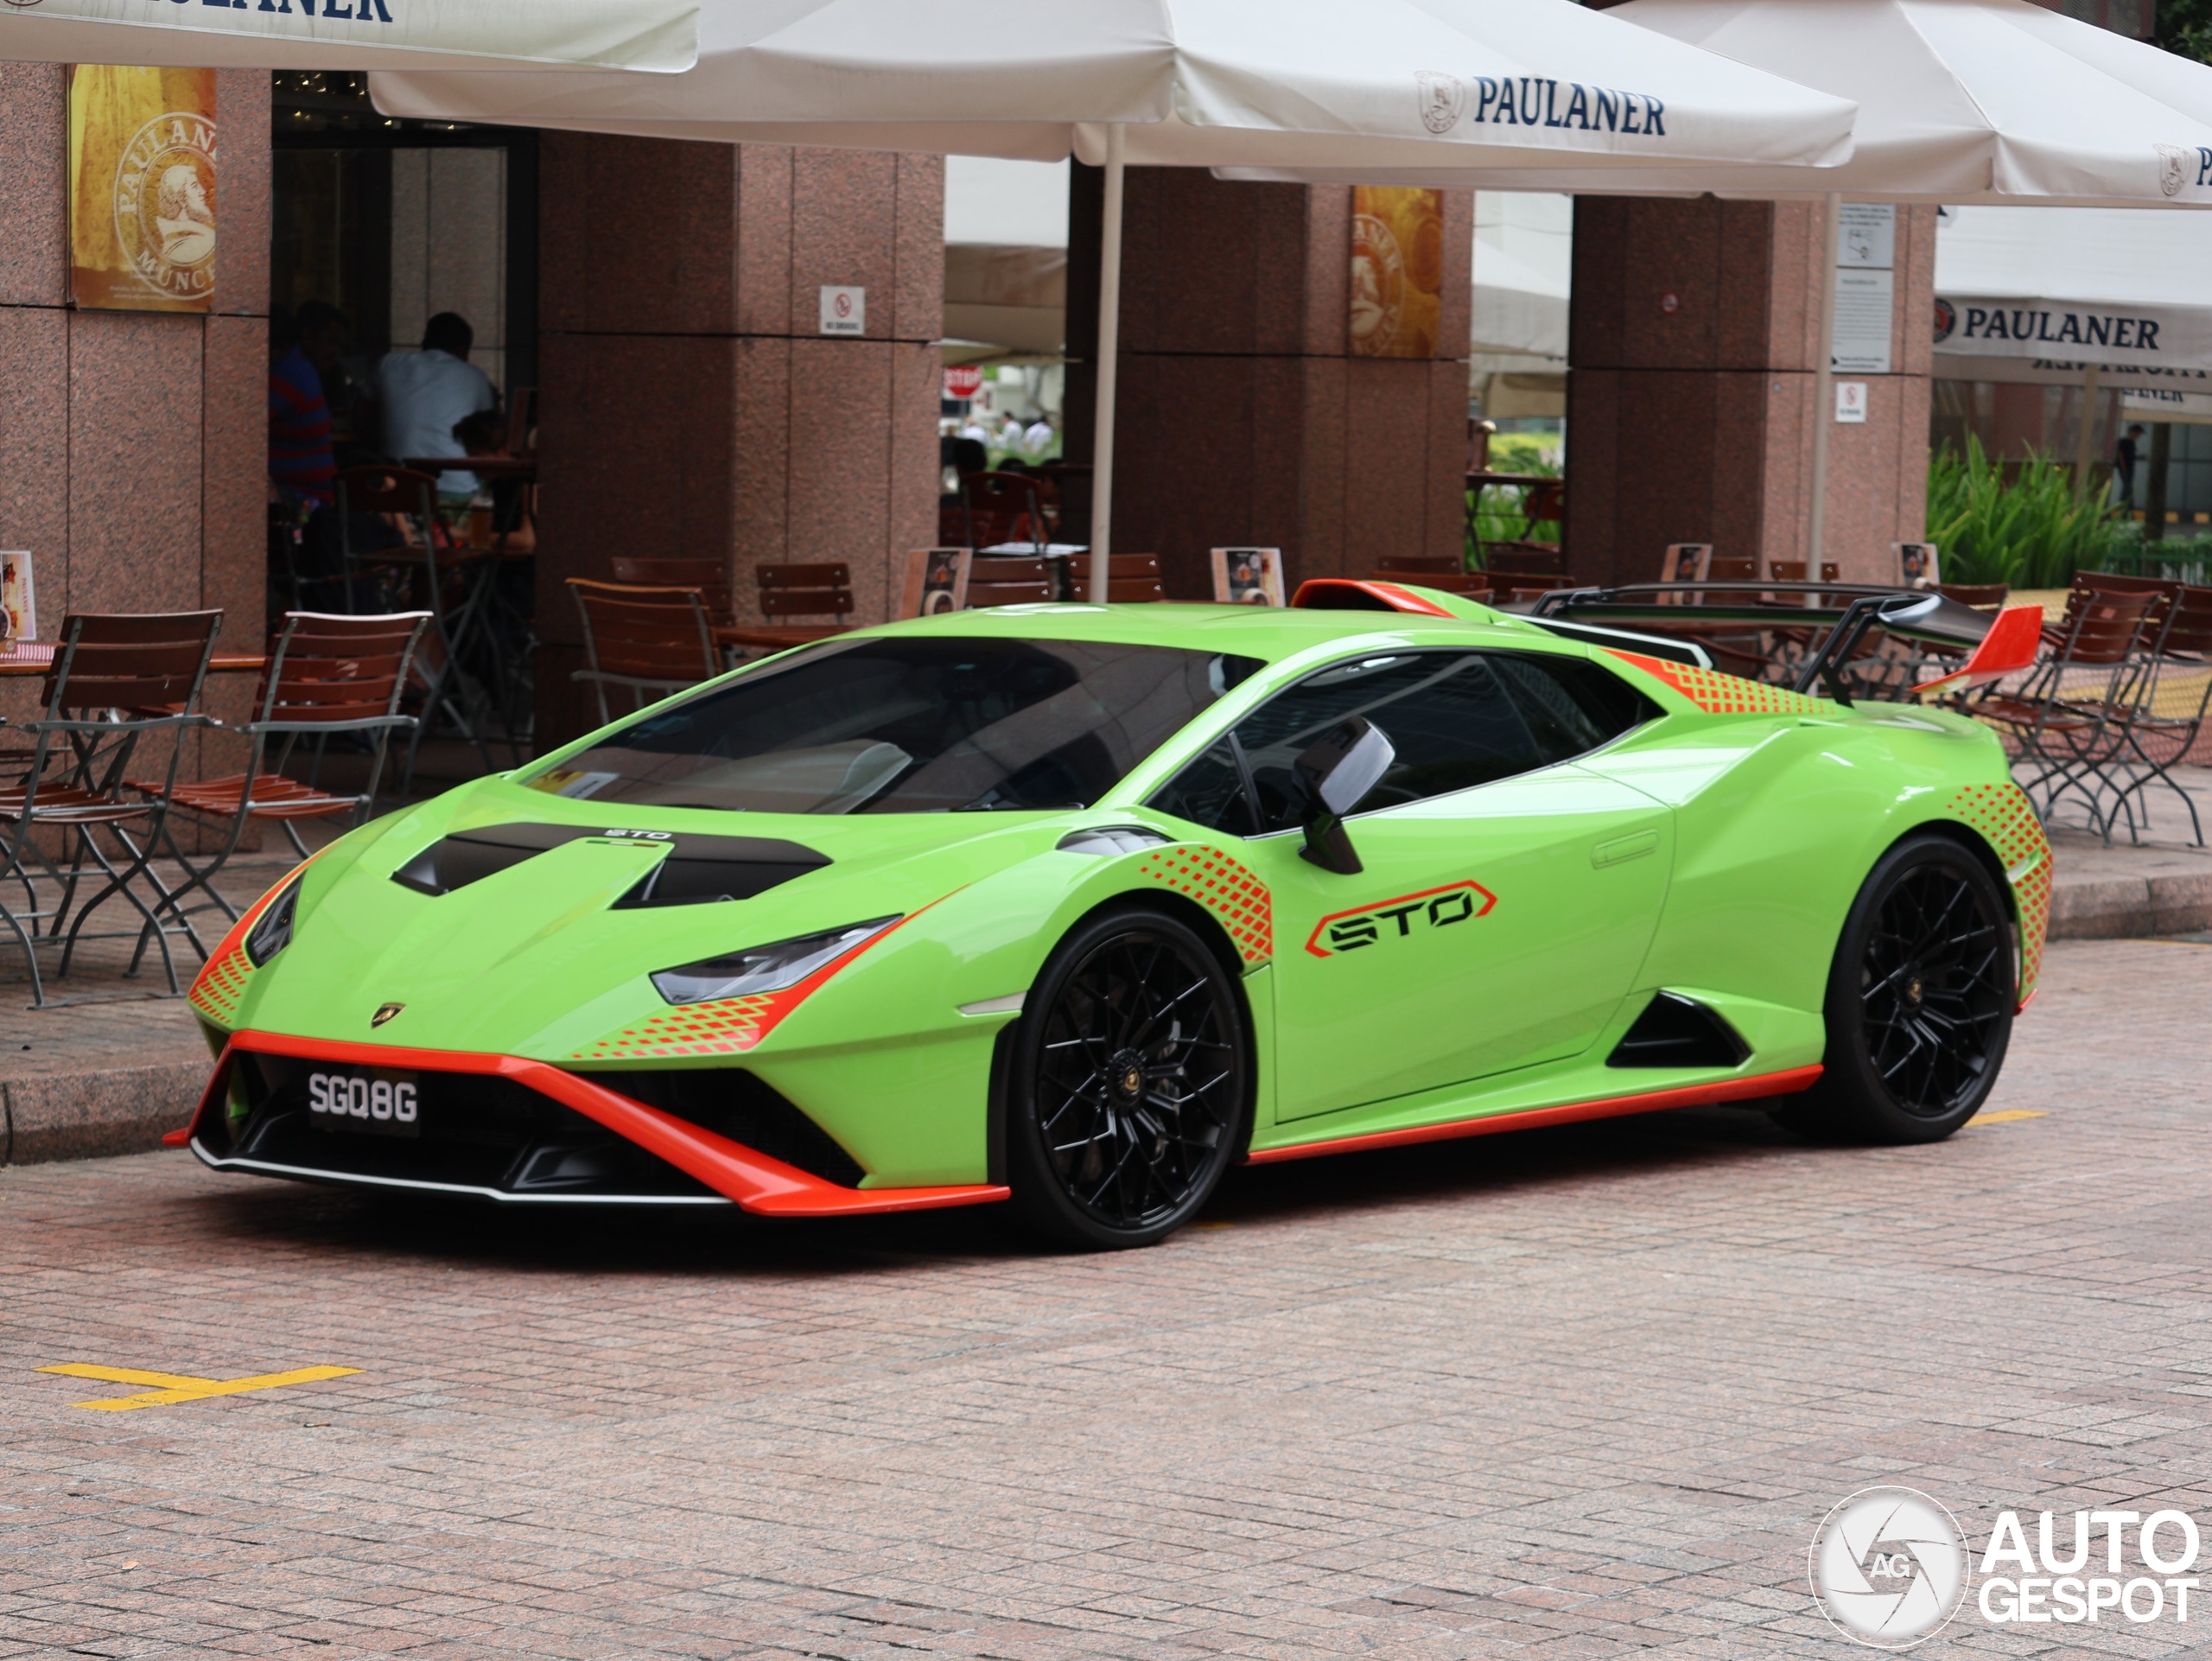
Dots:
pixel 1563 1394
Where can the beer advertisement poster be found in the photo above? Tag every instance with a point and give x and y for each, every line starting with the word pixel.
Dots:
pixel 142 189
pixel 1397 271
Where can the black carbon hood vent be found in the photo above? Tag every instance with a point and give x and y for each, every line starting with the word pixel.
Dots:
pixel 697 868
pixel 1678 1032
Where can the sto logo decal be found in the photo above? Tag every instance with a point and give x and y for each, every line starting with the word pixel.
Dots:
pixel 1400 918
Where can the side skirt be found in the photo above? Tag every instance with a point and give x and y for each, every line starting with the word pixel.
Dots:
pixel 1787 1083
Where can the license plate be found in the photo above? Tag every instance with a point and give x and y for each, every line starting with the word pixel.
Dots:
pixel 377 1102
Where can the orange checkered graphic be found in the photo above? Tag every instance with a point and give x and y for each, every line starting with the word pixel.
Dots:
pixel 725 1027
pixel 2003 813
pixel 1727 695
pixel 1224 887
pixel 221 983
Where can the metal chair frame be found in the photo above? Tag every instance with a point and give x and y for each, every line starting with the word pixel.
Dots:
pixel 680 602
pixel 269 794
pixel 86 792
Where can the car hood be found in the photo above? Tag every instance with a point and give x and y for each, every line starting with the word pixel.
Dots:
pixel 502 918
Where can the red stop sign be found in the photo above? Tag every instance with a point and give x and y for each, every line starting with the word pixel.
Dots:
pixel 964 382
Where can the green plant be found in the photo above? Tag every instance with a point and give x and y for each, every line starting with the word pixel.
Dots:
pixel 1497 514
pixel 2020 523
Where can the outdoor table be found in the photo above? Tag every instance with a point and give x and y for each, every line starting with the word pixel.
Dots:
pixel 492 470
pixel 22 658
pixel 777 637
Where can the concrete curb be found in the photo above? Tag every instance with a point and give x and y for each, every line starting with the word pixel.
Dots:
pixel 128 1110
pixel 2131 907
pixel 92 1115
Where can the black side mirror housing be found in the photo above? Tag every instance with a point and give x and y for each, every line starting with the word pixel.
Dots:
pixel 1337 774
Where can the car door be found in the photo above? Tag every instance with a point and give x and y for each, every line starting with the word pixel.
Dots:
pixel 1507 896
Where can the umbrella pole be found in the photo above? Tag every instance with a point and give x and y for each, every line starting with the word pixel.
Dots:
pixel 1109 360
pixel 1823 388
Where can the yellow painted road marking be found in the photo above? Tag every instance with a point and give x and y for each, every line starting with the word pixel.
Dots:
pixel 2006 1116
pixel 171 1387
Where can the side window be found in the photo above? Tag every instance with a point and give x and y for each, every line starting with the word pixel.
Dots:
pixel 1446 713
pixel 1457 719
pixel 1210 792
pixel 1571 705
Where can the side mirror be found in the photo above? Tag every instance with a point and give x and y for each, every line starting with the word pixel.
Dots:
pixel 1338 772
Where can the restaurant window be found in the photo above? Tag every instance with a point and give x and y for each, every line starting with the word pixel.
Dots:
pixel 391 221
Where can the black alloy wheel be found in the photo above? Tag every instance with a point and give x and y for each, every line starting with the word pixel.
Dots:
pixel 1920 1000
pixel 1130 1095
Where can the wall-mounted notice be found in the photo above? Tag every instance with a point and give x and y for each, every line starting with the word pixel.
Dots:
pixel 1869 238
pixel 845 310
pixel 1863 304
pixel 1865 280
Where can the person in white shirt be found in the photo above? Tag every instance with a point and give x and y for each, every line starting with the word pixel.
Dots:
pixel 425 393
pixel 973 428
pixel 1039 438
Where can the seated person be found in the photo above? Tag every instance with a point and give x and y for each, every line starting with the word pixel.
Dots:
pixel 425 394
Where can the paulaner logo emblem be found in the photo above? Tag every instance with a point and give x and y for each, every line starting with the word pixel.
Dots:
pixel 165 204
pixel 1888 1567
pixel 1443 99
pixel 2173 167
pixel 384 1012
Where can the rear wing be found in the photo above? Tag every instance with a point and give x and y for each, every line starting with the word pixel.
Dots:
pixel 1353 593
pixel 1994 646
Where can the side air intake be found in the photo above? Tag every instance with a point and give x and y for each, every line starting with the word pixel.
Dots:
pixel 1678 1032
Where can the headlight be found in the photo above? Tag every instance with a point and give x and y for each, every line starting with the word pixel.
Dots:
pixel 272 930
pixel 764 968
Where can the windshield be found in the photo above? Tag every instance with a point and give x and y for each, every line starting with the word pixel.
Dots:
pixel 908 725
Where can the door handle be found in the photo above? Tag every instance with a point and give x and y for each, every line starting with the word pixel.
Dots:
pixel 1634 846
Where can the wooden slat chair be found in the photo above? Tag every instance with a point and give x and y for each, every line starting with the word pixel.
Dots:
pixel 327 675
pixel 1009 580
pixel 116 680
pixel 2066 732
pixel 1134 579
pixel 821 592
pixel 648 640
pixel 709 576
pixel 1525 565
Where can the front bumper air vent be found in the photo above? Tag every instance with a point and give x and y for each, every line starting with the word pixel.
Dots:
pixel 734 1103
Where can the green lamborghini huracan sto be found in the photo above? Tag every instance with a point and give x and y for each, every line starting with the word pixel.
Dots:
pixel 1073 907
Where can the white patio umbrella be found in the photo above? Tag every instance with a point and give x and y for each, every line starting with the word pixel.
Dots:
pixel 1502 84
pixel 1960 101
pixel 634 35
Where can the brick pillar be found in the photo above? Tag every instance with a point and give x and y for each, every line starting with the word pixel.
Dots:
pixel 134 445
pixel 689 404
pixel 1693 334
pixel 1243 418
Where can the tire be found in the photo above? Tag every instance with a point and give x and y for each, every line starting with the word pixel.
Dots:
pixel 1129 1093
pixel 1920 1000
